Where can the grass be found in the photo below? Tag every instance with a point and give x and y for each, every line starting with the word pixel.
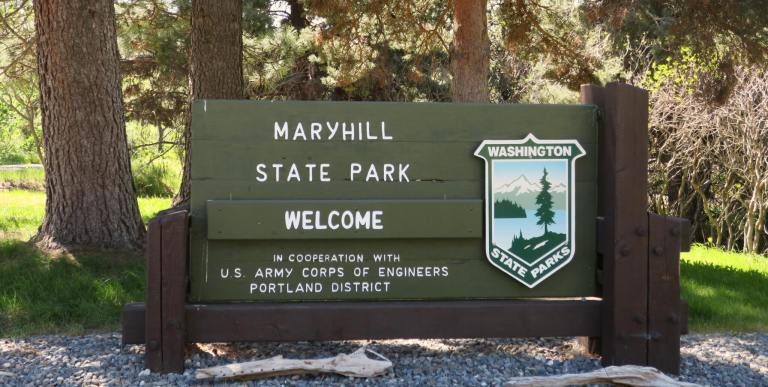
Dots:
pixel 41 293
pixel 64 294
pixel 27 178
pixel 725 290
pixel 21 212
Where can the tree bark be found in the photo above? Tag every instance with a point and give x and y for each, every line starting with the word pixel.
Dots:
pixel 470 51
pixel 90 198
pixel 216 64
pixel 298 16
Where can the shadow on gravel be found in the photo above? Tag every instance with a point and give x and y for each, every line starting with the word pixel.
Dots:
pixel 720 373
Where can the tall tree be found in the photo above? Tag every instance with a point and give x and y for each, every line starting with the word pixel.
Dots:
pixel 90 199
pixel 544 200
pixel 215 64
pixel 470 51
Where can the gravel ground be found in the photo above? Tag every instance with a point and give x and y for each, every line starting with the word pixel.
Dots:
pixel 708 359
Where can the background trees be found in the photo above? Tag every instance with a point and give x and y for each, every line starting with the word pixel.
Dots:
pixel 19 94
pixel 699 60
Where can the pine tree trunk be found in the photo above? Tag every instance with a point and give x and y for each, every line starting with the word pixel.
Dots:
pixel 90 199
pixel 216 64
pixel 470 51
pixel 297 17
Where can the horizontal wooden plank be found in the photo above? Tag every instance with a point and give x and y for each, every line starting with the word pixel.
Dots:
pixel 419 161
pixel 379 320
pixel 204 190
pixel 253 121
pixel 437 279
pixel 344 219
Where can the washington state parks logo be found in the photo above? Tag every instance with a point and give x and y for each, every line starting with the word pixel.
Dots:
pixel 529 205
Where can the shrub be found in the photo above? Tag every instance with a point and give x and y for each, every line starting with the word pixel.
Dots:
pixel 709 161
pixel 157 179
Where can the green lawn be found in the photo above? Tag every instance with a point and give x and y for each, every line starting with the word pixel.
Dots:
pixel 40 293
pixel 72 294
pixel 64 294
pixel 22 211
pixel 724 290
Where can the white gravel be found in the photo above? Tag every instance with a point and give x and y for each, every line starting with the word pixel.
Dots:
pixel 708 359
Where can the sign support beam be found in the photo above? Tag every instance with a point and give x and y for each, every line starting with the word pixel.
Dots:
pixel 622 202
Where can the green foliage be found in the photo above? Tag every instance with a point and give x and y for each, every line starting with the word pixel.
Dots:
pixel 271 64
pixel 256 17
pixel 15 146
pixel 354 51
pixel 155 162
pixel 155 179
pixel 659 28
pixel 725 290
pixel 154 38
pixel 685 70
pixel 20 132
pixel 64 294
pixel 549 33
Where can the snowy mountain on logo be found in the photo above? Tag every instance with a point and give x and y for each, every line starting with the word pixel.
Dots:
pixel 523 191
pixel 522 184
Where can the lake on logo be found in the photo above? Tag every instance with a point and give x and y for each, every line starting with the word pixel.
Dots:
pixel 530 207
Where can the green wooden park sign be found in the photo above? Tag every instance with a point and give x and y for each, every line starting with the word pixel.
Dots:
pixel 295 201
pixel 345 221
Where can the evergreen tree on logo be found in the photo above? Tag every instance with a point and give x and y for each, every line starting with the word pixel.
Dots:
pixel 544 200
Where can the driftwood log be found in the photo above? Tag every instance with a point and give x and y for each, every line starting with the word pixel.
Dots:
pixel 629 375
pixel 356 364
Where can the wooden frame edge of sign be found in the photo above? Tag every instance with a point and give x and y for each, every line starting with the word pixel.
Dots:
pixel 638 320
pixel 166 255
pixel 642 313
pixel 343 320
pixel 622 203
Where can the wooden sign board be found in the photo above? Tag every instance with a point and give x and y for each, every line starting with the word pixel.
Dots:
pixel 295 201
pixel 472 219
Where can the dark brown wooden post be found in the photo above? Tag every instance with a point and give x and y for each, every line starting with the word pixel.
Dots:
pixel 175 232
pixel 667 238
pixel 166 292
pixel 153 333
pixel 622 203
